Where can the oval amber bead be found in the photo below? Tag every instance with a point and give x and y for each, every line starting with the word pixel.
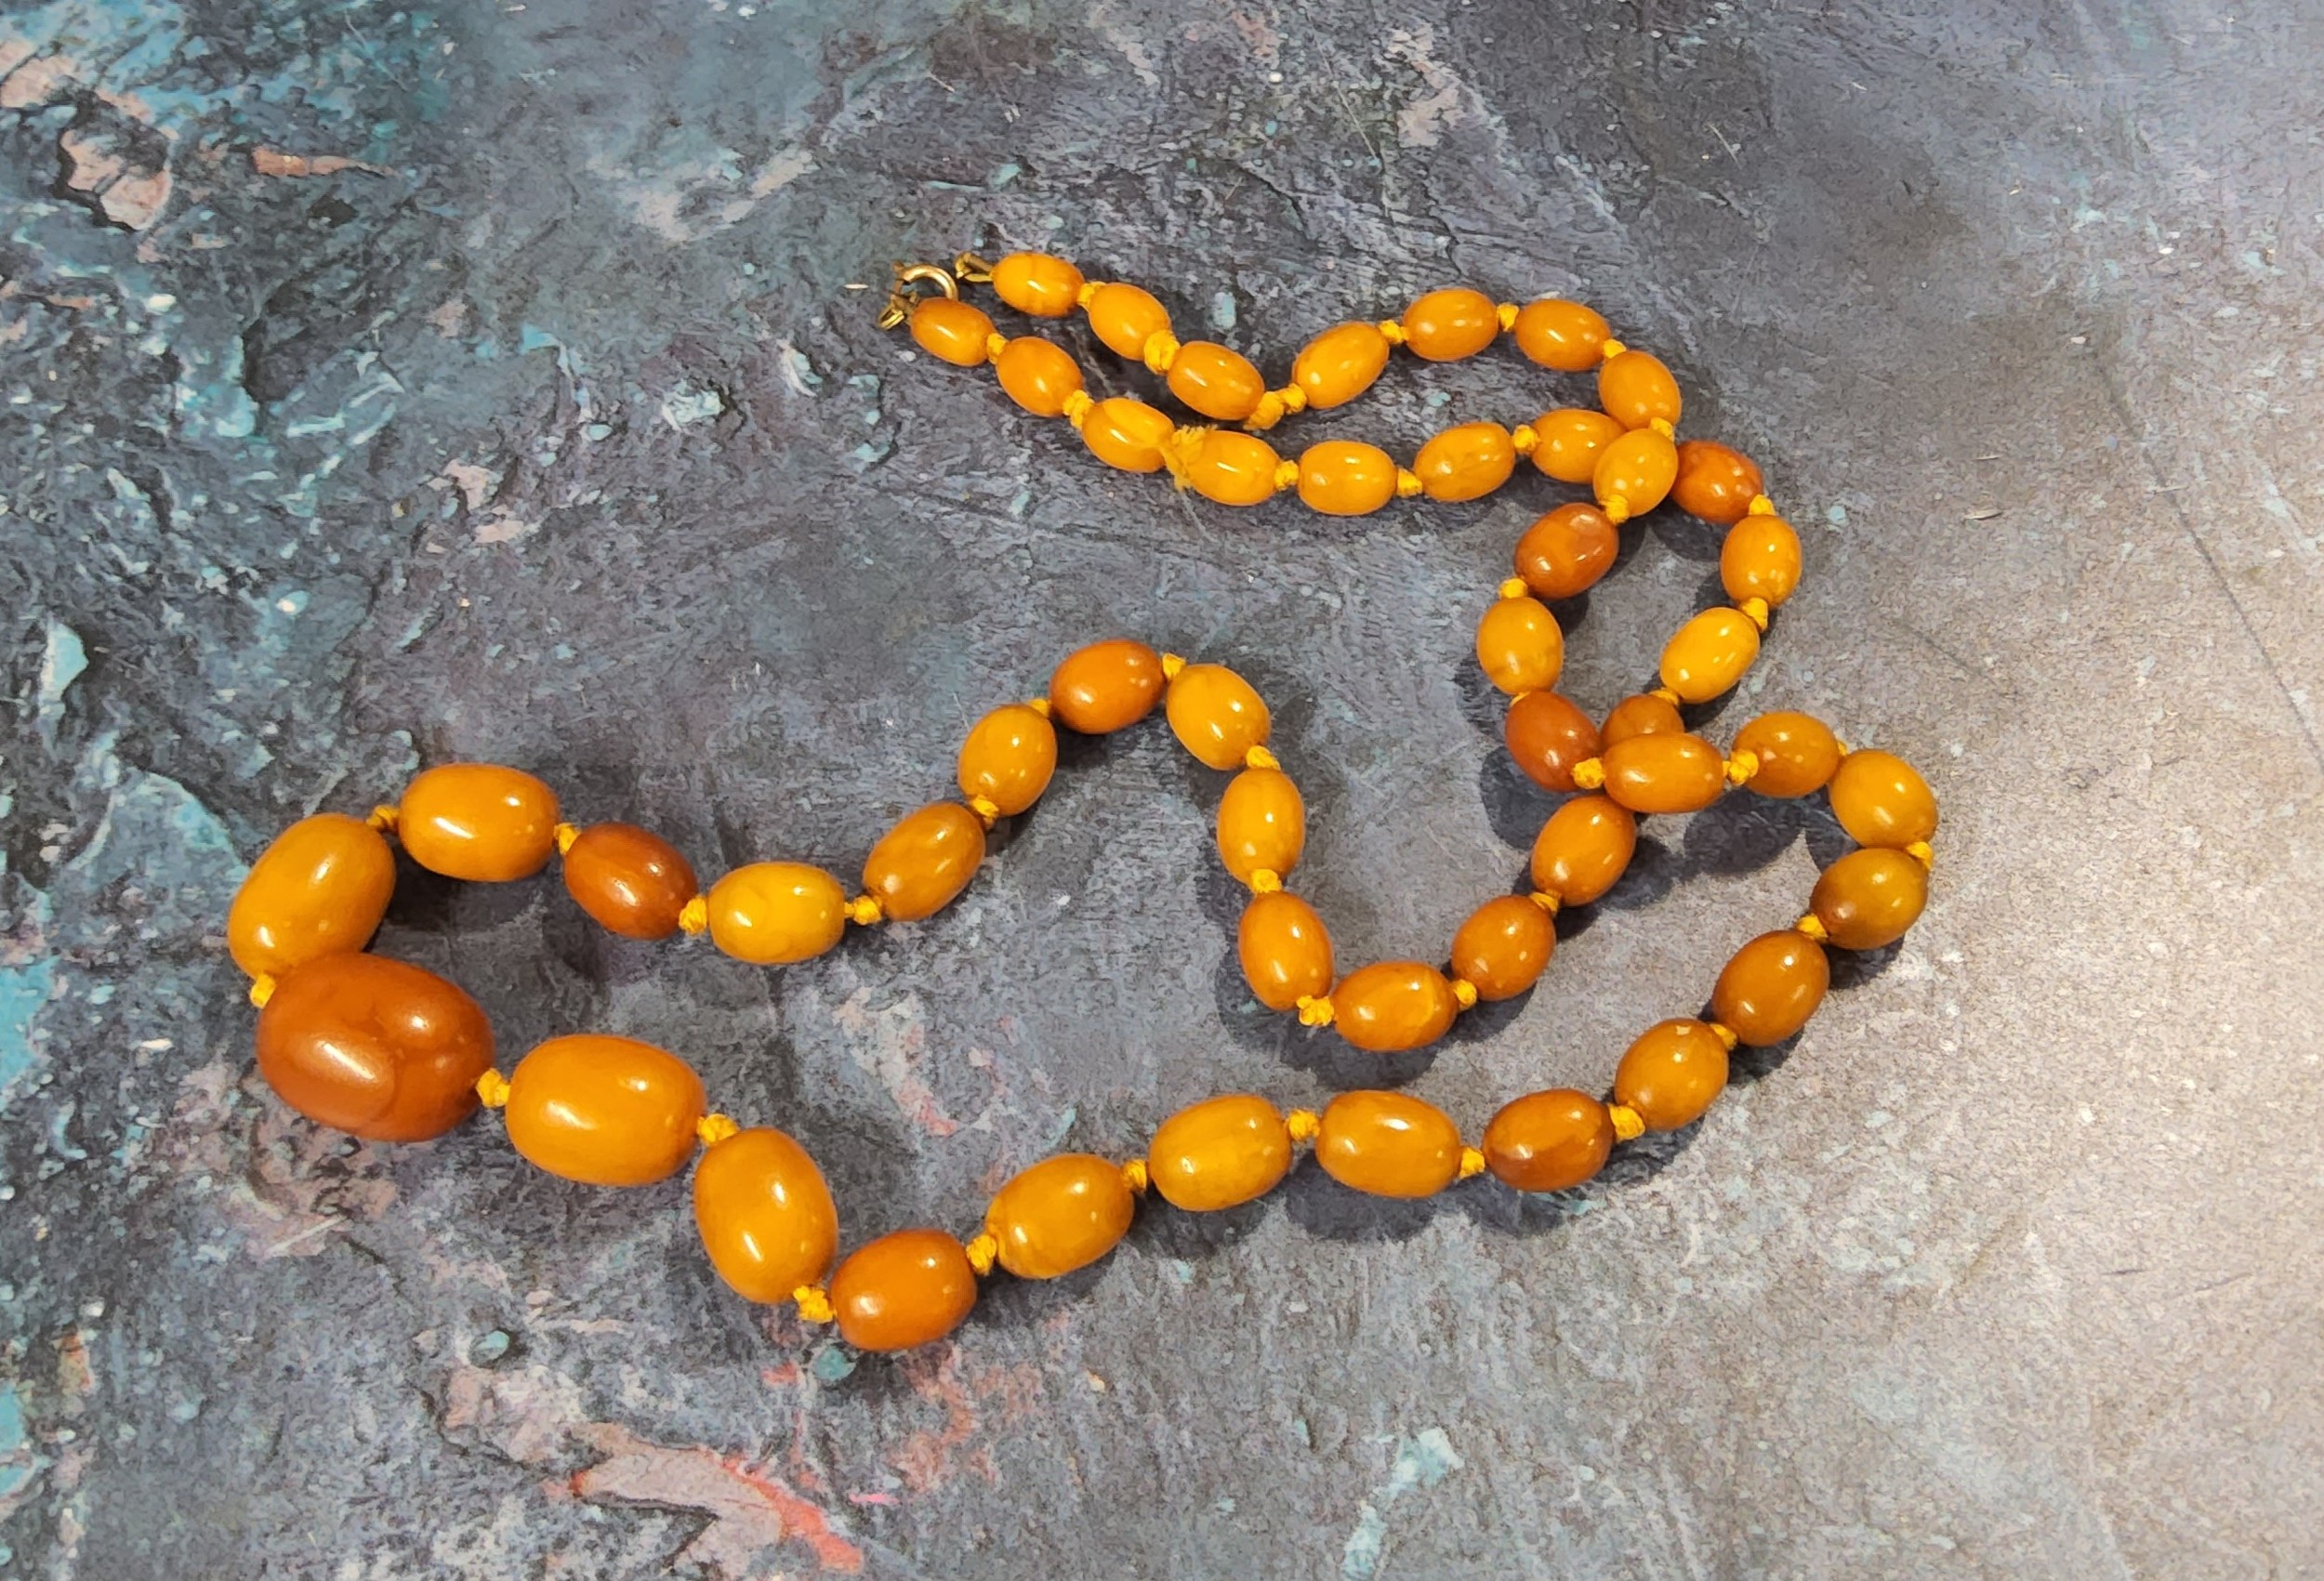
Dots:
pixel 1547 1141
pixel 1881 801
pixel 1561 334
pixel 1710 654
pixel 1008 758
pixel 320 888
pixel 1643 714
pixel 1636 470
pixel 1569 441
pixel 1869 898
pixel 1664 773
pixel 1106 687
pixel 1220 383
pixel 1388 1145
pixel 1124 318
pixel 1635 388
pixel 1467 462
pixel 1127 433
pixel 1759 560
pixel 1061 1213
pixel 1583 849
pixel 1565 552
pixel 1392 1006
pixel 1444 326
pixel 1547 734
pixel 604 1111
pixel 1520 645
pixel 1672 1073
pixel 1216 715
pixel 1770 987
pixel 775 913
pixel 1262 823
pixel 909 1288
pixel 478 820
pixel 1342 477
pixel 1037 285
pixel 1339 364
pixel 1504 946
pixel 631 880
pixel 1038 376
pixel 1221 1152
pixel 374 1047
pixel 1715 481
pixel 1231 469
pixel 1797 753
pixel 927 859
pixel 765 1215
pixel 1285 950
pixel 952 332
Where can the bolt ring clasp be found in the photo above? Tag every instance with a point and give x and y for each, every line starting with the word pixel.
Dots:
pixel 909 278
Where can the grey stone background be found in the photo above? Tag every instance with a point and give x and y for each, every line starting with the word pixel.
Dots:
pixel 551 430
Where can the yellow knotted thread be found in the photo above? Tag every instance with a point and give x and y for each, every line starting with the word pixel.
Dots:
pixel 1472 1162
pixel 261 989
pixel 1813 925
pixel 1725 1034
pixel 1610 348
pixel 1159 351
pixel 1409 483
pixel 1315 1011
pixel 1616 508
pixel 1076 408
pixel 566 834
pixel 1589 775
pixel 1464 993
pixel 1260 757
pixel 987 810
pixel 1391 330
pixel 1287 476
pixel 1512 587
pixel 1741 766
pixel 1275 405
pixel 1039 705
pixel 983 1251
pixel 1760 506
pixel 492 1090
pixel 1754 611
pixel 1180 451
pixel 863 910
pixel 694 915
pixel 1134 1176
pixel 383 818
pixel 1524 439
pixel 1546 901
pixel 1666 694
pixel 1088 294
pixel 1507 313
pixel 1661 426
pixel 1841 746
pixel 1302 1125
pixel 1171 666
pixel 1627 1126
pixel 1920 850
pixel 1265 881
pixel 714 1128
pixel 995 344
pixel 814 1303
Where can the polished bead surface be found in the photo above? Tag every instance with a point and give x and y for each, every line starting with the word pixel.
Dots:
pixel 1233 468
pixel 1221 1152
pixel 1285 950
pixel 923 862
pixel 1061 1213
pixel 1467 462
pixel 1342 477
pixel 1562 335
pixel 1643 714
pixel 1547 1141
pixel 1216 382
pixel 1583 849
pixel 1664 773
pixel 1262 823
pixel 1008 758
pixel 1636 470
pixel 1715 481
pixel 1127 433
pixel 1106 687
pixel 606 1111
pixel 905 1289
pixel 1635 388
pixel 1797 753
pixel 775 913
pixel 764 1213
pixel 1869 898
pixel 1547 733
pixel 1569 441
pixel 1216 715
pixel 1339 364
pixel 1672 1073
pixel 479 821
pixel 1444 326
pixel 1520 646
pixel 1759 560
pixel 1388 1145
pixel 952 332
pixel 1881 801
pixel 1771 986
pixel 320 888
pixel 1392 1006
pixel 1710 654
pixel 632 881
pixel 1125 317
pixel 1503 947
pixel 1036 284
pixel 1567 551
pixel 1038 375
pixel 374 1047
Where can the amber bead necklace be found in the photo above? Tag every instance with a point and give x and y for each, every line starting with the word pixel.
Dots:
pixel 389 1053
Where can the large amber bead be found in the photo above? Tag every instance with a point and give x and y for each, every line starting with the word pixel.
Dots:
pixel 1547 734
pixel 1672 1073
pixel 319 889
pixel 1038 375
pixel 1869 898
pixel 1124 318
pixel 1503 947
pixel 1285 950
pixel 1339 364
pixel 1106 687
pixel 479 821
pixel 952 332
pixel 1561 334
pixel 1221 1152
pixel 1388 1145
pixel 1233 468
pixel 1547 1141
pixel 1215 381
pixel 1570 443
pixel 774 913
pixel 1392 1006
pixel 1770 987
pixel 1008 758
pixel 1710 654
pixel 1127 433
pixel 1565 552
pixel 383 1049
pixel 1636 470
pixel 1262 823
pixel 1342 477
pixel 1061 1213
pixel 1715 481
pixel 1643 714
pixel 1216 715
pixel 1797 753
pixel 606 1111
pixel 1881 801
pixel 1520 646
pixel 1444 326
pixel 1635 388
pixel 927 859
pixel 1583 849
pixel 909 1288
pixel 1036 284
pixel 1759 560
pixel 1664 773
pixel 765 1215
pixel 1467 462
pixel 632 881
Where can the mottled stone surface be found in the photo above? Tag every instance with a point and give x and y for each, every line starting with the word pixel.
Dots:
pixel 386 386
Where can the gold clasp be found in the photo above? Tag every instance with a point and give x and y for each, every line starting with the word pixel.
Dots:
pixel 971 270
pixel 898 307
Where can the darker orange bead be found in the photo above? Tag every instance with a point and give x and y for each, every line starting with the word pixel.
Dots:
pixel 604 1111
pixel 1547 1141
pixel 1038 376
pixel 1797 753
pixel 1503 947
pixel 1560 334
pixel 1672 1073
pixel 1565 552
pixel 1635 388
pixel 925 860
pixel 1664 773
pixel 1216 382
pixel 320 888
pixel 764 1213
pixel 374 1047
pixel 1643 714
pixel 1106 687
pixel 479 821
pixel 1715 481
pixel 1393 1006
pixel 1284 949
pixel 905 1289
pixel 1444 326
pixel 1771 986
pixel 1388 1145
pixel 1466 462
pixel 952 332
pixel 1547 734
pixel 1583 849
pixel 1869 898
pixel 631 880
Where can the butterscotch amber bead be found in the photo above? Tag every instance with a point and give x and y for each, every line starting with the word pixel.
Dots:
pixel 1561 334
pixel 1392 1006
pixel 1444 326
pixel 1569 441
pixel 1126 433
pixel 1064 1213
pixel 1797 753
pixel 1036 284
pixel 1388 1145
pixel 909 1288
pixel 1710 654
pixel 1262 823
pixel 1664 773
pixel 1285 950
pixel 1233 468
pixel 604 1111
pixel 319 889
pixel 1672 1073
pixel 927 859
pixel 1635 388
pixel 1008 758
pixel 1221 1152
pixel 1869 898
pixel 1715 481
pixel 1467 462
pixel 1520 646
pixel 1881 801
pixel 1106 687
pixel 1216 715
pixel 1547 734
pixel 631 880
pixel 374 1047
pixel 478 820
pixel 1503 947
pixel 1643 714
pixel 1583 849
pixel 952 332
pixel 1124 318
pixel 1038 376
pixel 765 1215
pixel 1636 470
pixel 775 913
pixel 1565 552
pixel 1342 477
pixel 1218 383
pixel 1759 560
pixel 1770 987
pixel 1548 1142
pixel 1339 364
